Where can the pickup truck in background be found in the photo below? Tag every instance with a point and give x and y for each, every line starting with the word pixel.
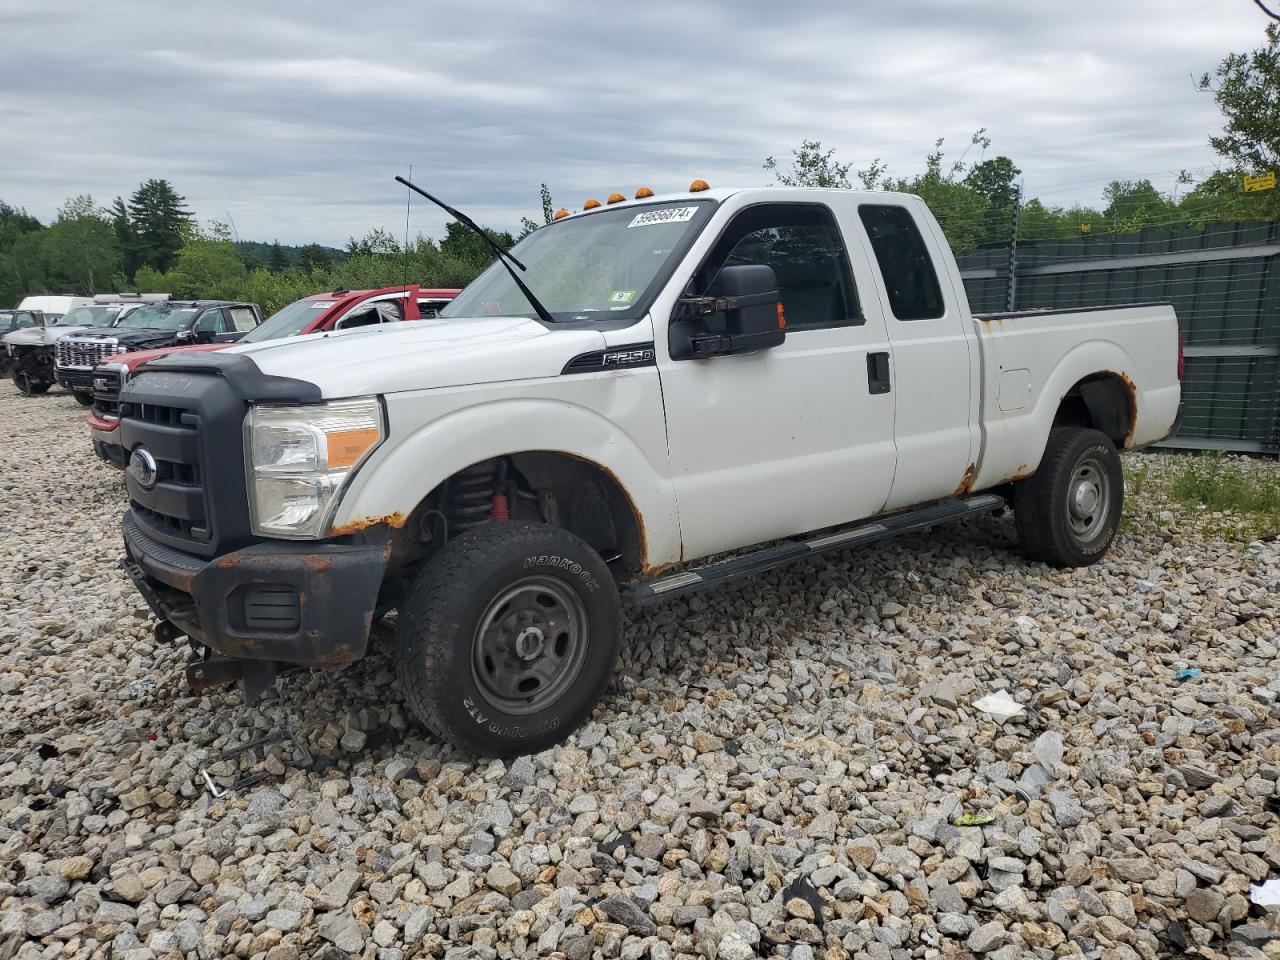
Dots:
pixel 151 325
pixel 771 372
pixel 30 349
pixel 339 310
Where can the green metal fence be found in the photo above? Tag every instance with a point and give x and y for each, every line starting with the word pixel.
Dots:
pixel 1224 282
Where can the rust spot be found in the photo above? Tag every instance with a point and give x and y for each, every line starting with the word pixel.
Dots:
pixel 395 520
pixel 339 656
pixel 966 482
pixel 317 563
pixel 1131 390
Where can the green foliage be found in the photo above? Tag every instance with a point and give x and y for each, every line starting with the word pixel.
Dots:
pixel 159 223
pixel 277 262
pixel 1215 483
pixel 1246 87
pixel 811 166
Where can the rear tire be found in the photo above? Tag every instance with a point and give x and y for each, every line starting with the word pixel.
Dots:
pixel 1068 511
pixel 508 638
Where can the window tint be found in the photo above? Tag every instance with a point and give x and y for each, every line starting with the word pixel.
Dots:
pixel 802 244
pixel 210 322
pixel 242 318
pixel 904 262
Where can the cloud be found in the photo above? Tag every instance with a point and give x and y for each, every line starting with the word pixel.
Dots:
pixel 292 118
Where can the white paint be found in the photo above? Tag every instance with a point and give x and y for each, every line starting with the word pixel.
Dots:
pixel 731 451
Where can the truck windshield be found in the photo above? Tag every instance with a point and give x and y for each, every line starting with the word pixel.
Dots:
pixel 596 266
pixel 92 316
pixel 157 318
pixel 288 321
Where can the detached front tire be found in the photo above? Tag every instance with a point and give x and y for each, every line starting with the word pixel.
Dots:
pixel 28 386
pixel 1068 511
pixel 508 637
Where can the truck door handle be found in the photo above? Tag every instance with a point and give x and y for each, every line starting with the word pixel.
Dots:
pixel 878 373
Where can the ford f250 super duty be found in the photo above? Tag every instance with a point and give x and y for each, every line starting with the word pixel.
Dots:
pixel 767 373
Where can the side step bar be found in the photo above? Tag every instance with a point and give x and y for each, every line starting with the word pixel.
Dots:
pixel 789 551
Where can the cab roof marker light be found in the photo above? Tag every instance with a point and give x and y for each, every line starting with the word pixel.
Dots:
pixel 698 186
pixel 591 204
pixel 560 214
pixel 615 198
pixel 643 192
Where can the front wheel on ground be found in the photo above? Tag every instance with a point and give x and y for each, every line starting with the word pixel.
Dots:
pixel 28 386
pixel 507 638
pixel 1068 511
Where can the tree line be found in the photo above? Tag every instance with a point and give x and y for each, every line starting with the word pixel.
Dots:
pixel 152 242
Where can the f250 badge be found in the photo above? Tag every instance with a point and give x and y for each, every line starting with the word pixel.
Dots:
pixel 627 358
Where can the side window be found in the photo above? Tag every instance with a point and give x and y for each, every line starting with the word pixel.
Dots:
pixel 372 313
pixel 210 322
pixel 25 320
pixel 802 243
pixel 242 319
pixel 431 308
pixel 908 273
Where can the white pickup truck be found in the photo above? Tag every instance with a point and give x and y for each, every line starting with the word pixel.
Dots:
pixel 768 373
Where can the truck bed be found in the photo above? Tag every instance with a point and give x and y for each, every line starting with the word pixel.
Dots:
pixel 1032 359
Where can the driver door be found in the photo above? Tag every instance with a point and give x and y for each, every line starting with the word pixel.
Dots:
pixel 793 438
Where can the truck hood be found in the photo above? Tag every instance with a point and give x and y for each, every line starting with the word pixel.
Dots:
pixel 39 336
pixel 396 357
pixel 128 339
pixel 137 357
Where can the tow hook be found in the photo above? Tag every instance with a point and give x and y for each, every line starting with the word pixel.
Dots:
pixel 258 676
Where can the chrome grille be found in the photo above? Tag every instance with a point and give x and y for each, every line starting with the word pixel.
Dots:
pixel 73 353
pixel 106 392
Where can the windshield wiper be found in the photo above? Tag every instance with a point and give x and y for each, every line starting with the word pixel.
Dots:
pixel 505 258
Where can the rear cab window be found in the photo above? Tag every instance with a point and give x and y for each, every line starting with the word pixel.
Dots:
pixel 909 275
pixel 242 319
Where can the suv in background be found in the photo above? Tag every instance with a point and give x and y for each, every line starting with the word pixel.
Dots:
pixel 173 323
pixel 339 310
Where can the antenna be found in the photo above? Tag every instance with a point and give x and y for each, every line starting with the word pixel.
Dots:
pixel 235 234
pixel 404 252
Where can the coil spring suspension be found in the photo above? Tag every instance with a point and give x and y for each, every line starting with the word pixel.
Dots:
pixel 471 495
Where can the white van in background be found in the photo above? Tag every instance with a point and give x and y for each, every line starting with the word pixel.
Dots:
pixel 59 305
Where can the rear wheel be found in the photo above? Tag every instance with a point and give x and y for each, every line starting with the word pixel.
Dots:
pixel 508 637
pixel 1067 513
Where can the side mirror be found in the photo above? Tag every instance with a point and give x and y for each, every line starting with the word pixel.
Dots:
pixel 747 296
pixel 184 336
pixel 202 336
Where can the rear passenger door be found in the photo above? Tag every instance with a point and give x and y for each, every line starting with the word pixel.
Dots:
pixel 789 439
pixel 934 363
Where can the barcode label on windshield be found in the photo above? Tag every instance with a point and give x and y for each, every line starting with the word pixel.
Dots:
pixel 668 215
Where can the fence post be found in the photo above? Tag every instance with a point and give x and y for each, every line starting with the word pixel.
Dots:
pixel 1011 292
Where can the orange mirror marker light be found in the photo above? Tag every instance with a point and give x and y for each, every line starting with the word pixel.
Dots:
pixel 560 214
pixel 782 317
pixel 698 186
pixel 615 198
pixel 643 192
pixel 591 204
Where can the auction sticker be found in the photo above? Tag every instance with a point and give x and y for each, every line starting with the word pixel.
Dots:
pixel 666 215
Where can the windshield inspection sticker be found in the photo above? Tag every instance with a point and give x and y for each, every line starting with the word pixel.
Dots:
pixel 621 297
pixel 667 215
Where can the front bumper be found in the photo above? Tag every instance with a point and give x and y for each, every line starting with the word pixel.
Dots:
pixel 310 604
pixel 105 435
pixel 75 379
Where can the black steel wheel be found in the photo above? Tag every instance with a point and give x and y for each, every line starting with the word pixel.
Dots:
pixel 507 638
pixel 1067 513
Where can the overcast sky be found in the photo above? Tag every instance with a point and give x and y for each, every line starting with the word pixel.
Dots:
pixel 291 118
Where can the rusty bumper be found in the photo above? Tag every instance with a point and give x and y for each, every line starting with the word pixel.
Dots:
pixel 306 603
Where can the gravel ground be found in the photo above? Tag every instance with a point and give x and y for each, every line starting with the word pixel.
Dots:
pixel 791 766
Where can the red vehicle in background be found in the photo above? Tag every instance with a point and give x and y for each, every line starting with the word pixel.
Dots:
pixel 339 310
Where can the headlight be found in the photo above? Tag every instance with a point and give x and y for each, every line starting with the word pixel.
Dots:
pixel 300 458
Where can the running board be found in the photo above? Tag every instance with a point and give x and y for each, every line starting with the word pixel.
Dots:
pixel 790 551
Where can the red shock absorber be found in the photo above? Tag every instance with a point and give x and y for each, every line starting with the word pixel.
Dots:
pixel 500 509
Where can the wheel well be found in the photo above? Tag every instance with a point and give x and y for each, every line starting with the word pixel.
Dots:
pixel 540 486
pixel 1104 402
